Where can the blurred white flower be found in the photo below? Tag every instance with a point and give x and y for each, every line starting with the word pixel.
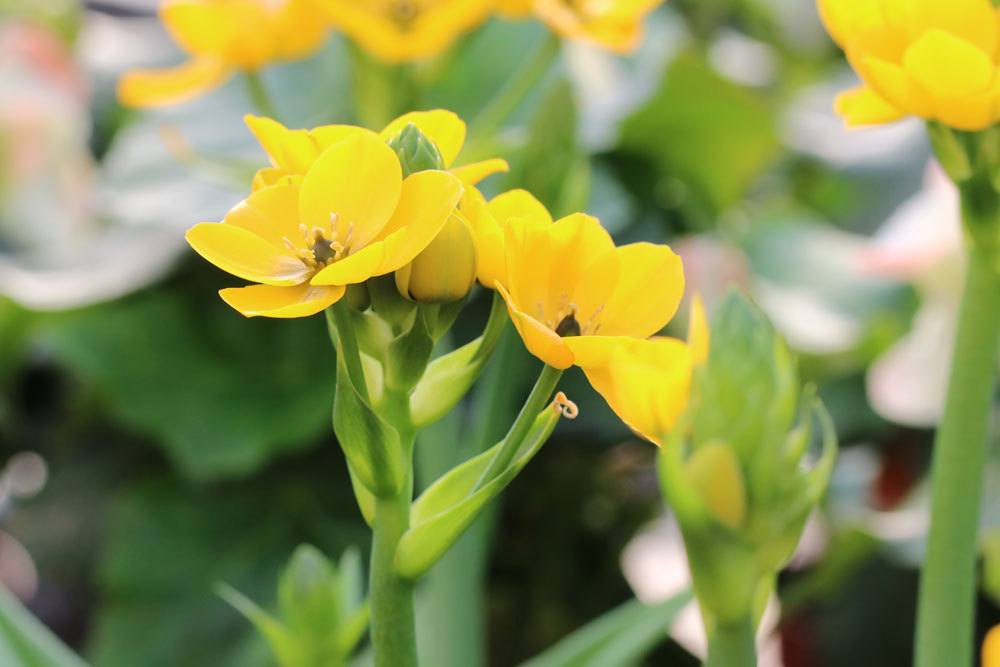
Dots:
pixel 921 244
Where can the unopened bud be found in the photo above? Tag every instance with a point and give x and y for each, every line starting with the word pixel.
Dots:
pixel 415 151
pixel 445 270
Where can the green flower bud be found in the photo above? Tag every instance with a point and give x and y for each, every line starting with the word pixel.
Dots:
pixel 445 270
pixel 736 471
pixel 416 152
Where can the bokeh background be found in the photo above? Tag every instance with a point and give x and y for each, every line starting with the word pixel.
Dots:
pixel 154 443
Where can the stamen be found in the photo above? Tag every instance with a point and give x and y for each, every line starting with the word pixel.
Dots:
pixel 565 407
pixel 568 326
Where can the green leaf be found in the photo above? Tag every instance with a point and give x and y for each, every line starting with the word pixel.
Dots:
pixel 222 395
pixel 450 377
pixel 25 642
pixel 713 135
pixel 619 638
pixel 371 445
pixel 449 506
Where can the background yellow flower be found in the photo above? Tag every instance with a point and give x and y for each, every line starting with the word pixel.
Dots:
pixel 222 37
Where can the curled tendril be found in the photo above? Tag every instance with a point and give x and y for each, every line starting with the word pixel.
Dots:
pixel 564 406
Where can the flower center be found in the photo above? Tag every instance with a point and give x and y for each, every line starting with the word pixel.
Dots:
pixel 403 13
pixel 565 322
pixel 320 247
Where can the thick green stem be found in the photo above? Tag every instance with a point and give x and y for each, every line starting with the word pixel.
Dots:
pixel 732 645
pixel 947 583
pixel 493 116
pixel 259 96
pixel 393 624
pixel 539 397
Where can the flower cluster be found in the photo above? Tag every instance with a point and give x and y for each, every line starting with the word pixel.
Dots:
pixel 226 36
pixel 341 205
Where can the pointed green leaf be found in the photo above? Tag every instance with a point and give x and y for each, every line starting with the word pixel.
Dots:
pixel 447 508
pixel 25 642
pixel 619 638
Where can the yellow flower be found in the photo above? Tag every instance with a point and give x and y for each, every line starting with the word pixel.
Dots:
pixel 616 25
pixel 404 30
pixel 293 151
pixel 571 293
pixel 928 58
pixel 991 648
pixel 304 239
pixel 648 382
pixel 222 37
pixel 445 270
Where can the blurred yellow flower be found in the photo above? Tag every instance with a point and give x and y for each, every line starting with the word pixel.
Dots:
pixel 222 37
pixel 572 294
pixel 403 30
pixel 616 25
pixel 647 382
pixel 927 58
pixel 350 217
pixel 991 648
pixel 293 151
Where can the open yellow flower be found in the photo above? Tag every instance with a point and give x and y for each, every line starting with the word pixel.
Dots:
pixel 222 37
pixel 405 30
pixel 304 239
pixel 927 58
pixel 991 648
pixel 293 151
pixel 616 25
pixel 571 293
pixel 648 382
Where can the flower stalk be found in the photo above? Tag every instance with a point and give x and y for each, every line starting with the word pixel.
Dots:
pixel 259 97
pixel 732 645
pixel 948 579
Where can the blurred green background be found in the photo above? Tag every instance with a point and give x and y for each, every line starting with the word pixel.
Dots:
pixel 153 442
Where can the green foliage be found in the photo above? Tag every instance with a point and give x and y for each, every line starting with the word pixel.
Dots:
pixel 713 135
pixel 446 509
pixel 220 394
pixel 25 642
pixel 320 620
pixel 619 638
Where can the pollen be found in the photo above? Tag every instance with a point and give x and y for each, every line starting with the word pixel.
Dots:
pixel 319 247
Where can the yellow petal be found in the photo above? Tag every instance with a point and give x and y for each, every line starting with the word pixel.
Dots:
pixel 444 128
pixel 863 106
pixel 300 27
pixel 844 19
pixel 595 351
pixel 974 21
pixel 267 176
pixel 246 255
pixel 473 174
pixel 991 648
pixel 948 66
pixel 491 265
pixel 649 290
pixel 427 200
pixel 355 268
pixel 894 84
pixel 291 150
pixel 354 184
pixel 584 267
pixel 271 213
pixel 149 88
pixel 284 302
pixel 699 336
pixel 538 339
pixel 519 204
pixel 198 27
pixel 327 135
pixel 646 383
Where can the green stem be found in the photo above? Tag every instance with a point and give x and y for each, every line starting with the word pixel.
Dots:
pixel 496 112
pixel 947 583
pixel 732 645
pixel 259 96
pixel 345 340
pixel 537 400
pixel 393 623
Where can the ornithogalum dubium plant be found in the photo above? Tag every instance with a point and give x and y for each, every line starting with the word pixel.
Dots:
pixel 938 61
pixel 375 231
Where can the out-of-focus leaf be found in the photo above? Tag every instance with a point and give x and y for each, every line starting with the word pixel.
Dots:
pixel 712 135
pixel 169 544
pixel 221 394
pixel 25 642
pixel 619 638
pixel 551 165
